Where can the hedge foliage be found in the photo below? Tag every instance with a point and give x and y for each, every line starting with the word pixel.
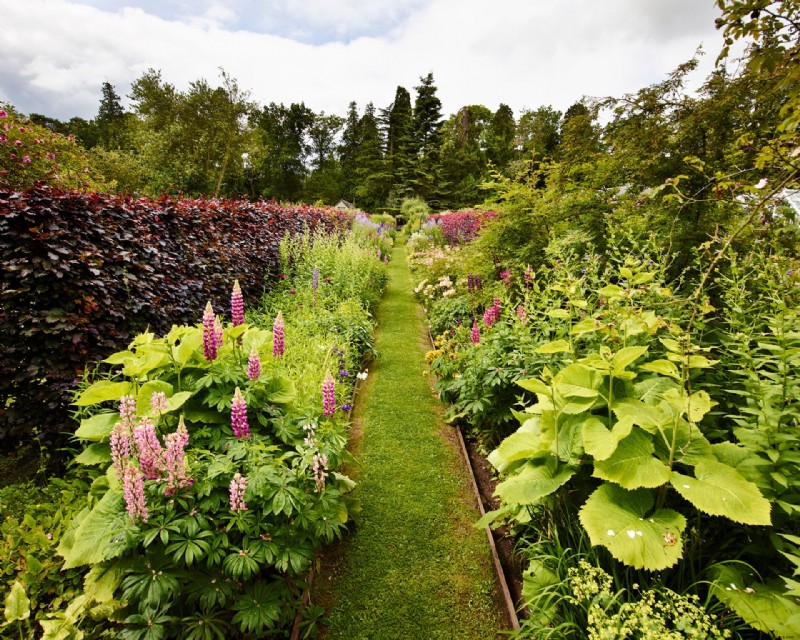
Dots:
pixel 84 273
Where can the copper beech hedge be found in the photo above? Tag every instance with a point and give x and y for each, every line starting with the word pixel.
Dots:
pixel 83 273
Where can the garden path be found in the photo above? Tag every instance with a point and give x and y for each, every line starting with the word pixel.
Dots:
pixel 414 566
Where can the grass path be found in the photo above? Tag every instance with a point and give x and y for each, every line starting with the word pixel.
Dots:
pixel 414 566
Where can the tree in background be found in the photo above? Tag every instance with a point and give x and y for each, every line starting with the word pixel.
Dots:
pixel 500 138
pixel 398 123
pixel 323 183
pixel 372 186
pixel 463 156
pixel 427 138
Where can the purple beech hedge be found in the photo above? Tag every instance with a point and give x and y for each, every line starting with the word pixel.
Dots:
pixel 82 274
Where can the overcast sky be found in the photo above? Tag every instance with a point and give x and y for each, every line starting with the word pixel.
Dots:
pixel 55 54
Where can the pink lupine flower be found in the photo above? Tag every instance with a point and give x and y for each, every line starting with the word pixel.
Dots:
pixel 239 416
pixel 17 143
pixel 151 455
pixel 488 317
pixel 320 467
pixel 278 336
pixel 476 332
pixel 175 463
pixel 328 395
pixel 3 113
pixel 50 155
pixel 505 276
pixel 219 332
pixel 209 333
pixel 127 411
pixel 121 449
pixel 237 488
pixel 237 305
pixel 158 401
pixel 254 365
pixel 133 489
pixel 523 317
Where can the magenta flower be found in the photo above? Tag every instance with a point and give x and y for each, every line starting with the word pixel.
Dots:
pixel 476 332
pixel 17 143
pixel 239 416
pixel 121 447
pixel 219 332
pixel 3 138
pixel 521 314
pixel 151 455
pixel 328 395
pixel 133 489
pixel 175 463
pixel 209 333
pixel 3 113
pixel 237 305
pixel 237 489
pixel 50 155
pixel 278 336
pixel 488 317
pixel 505 276
pixel 254 365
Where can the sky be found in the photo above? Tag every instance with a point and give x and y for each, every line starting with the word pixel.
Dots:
pixel 56 54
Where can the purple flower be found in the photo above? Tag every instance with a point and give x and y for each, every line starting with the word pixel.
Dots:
pixel 346 407
pixel 237 305
pixel 133 489
pixel 209 333
pixel 278 336
pixel 239 416
pixel 476 333
pixel 237 488
pixel 328 395
pixel 254 365
pixel 26 159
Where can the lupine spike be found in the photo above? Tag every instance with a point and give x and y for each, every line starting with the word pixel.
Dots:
pixel 476 332
pixel 175 462
pixel 209 333
pixel 121 450
pixel 237 489
pixel 151 455
pixel 237 305
pixel 219 332
pixel 315 279
pixel 278 336
pixel 254 365
pixel 239 416
pixel 133 490
pixel 328 395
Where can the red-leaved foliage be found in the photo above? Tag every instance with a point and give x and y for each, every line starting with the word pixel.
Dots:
pixel 82 274
pixel 461 227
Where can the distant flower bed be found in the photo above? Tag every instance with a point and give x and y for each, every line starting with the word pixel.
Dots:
pixel 460 227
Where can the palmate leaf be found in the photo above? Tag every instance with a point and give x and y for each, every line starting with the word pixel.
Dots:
pixel 720 490
pixel 632 465
pixel 534 481
pixel 621 521
pixel 763 606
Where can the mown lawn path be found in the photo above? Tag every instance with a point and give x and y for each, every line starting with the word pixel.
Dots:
pixel 414 566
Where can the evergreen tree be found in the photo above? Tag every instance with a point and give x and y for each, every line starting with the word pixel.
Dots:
pixel 464 156
pixel 427 137
pixel 110 118
pixel 500 138
pixel 371 175
pixel 348 152
pixel 400 144
pixel 323 182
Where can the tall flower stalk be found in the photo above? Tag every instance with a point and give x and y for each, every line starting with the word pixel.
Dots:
pixel 133 490
pixel 278 336
pixel 476 332
pixel 237 305
pixel 254 365
pixel 328 395
pixel 237 488
pixel 209 333
pixel 239 415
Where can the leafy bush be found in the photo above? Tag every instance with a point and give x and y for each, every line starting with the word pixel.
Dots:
pixel 461 227
pixel 83 273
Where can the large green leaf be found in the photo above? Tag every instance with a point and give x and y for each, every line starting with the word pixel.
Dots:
pixel 98 427
pixel 189 345
pixel 625 357
pixel 533 482
pixel 622 521
pixel 720 490
pixel 633 465
pixel 664 367
pixel 633 411
pixel 598 441
pixel 691 446
pixel 535 385
pixel 97 453
pixel 557 346
pixel 102 391
pixel 100 535
pixel 763 606
pixel 281 390
pixel 520 445
pixel 104 578
pixel 17 604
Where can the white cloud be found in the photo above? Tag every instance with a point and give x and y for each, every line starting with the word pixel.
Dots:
pixel 525 53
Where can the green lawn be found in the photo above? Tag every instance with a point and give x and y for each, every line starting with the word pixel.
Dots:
pixel 414 565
